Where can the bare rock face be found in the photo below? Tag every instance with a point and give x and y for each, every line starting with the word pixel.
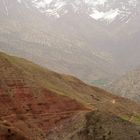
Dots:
pixel 128 86
pixel 104 126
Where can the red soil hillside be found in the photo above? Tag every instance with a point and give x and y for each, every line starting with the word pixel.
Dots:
pixel 28 106
pixel 38 79
pixel 35 101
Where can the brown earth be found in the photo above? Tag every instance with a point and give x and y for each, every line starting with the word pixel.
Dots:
pixel 38 104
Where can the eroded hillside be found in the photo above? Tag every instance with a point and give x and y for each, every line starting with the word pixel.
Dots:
pixel 38 104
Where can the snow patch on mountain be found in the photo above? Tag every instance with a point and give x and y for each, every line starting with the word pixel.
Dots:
pixel 50 7
pixel 109 15
pixel 96 2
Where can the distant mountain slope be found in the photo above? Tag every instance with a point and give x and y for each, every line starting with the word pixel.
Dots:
pixel 75 43
pixel 128 86
pixel 41 103
pixel 59 45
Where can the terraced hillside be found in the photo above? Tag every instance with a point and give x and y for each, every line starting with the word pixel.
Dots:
pixel 38 104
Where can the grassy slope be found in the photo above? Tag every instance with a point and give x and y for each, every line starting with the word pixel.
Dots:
pixel 48 91
pixel 92 97
pixel 29 105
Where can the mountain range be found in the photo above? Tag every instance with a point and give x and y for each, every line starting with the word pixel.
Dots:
pixel 102 10
pixel 96 41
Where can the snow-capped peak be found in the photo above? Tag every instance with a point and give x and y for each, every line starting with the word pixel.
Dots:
pixel 102 10
pixel 109 15
pixel 96 2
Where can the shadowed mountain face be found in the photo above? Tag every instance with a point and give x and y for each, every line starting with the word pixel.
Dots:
pixel 40 104
pixel 104 126
pixel 128 86
pixel 68 37
pixel 8 132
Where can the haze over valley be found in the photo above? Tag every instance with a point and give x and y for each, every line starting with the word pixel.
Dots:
pixel 66 37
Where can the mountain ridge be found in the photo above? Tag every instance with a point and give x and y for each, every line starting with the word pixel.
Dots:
pixel 98 10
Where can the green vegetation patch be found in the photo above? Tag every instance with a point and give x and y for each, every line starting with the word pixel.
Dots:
pixel 134 119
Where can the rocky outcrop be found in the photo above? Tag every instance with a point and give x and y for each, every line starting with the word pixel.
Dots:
pixel 128 86
pixel 104 126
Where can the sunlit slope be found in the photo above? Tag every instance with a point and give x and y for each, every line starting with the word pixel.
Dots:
pixel 38 103
pixel 69 86
pixel 28 105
